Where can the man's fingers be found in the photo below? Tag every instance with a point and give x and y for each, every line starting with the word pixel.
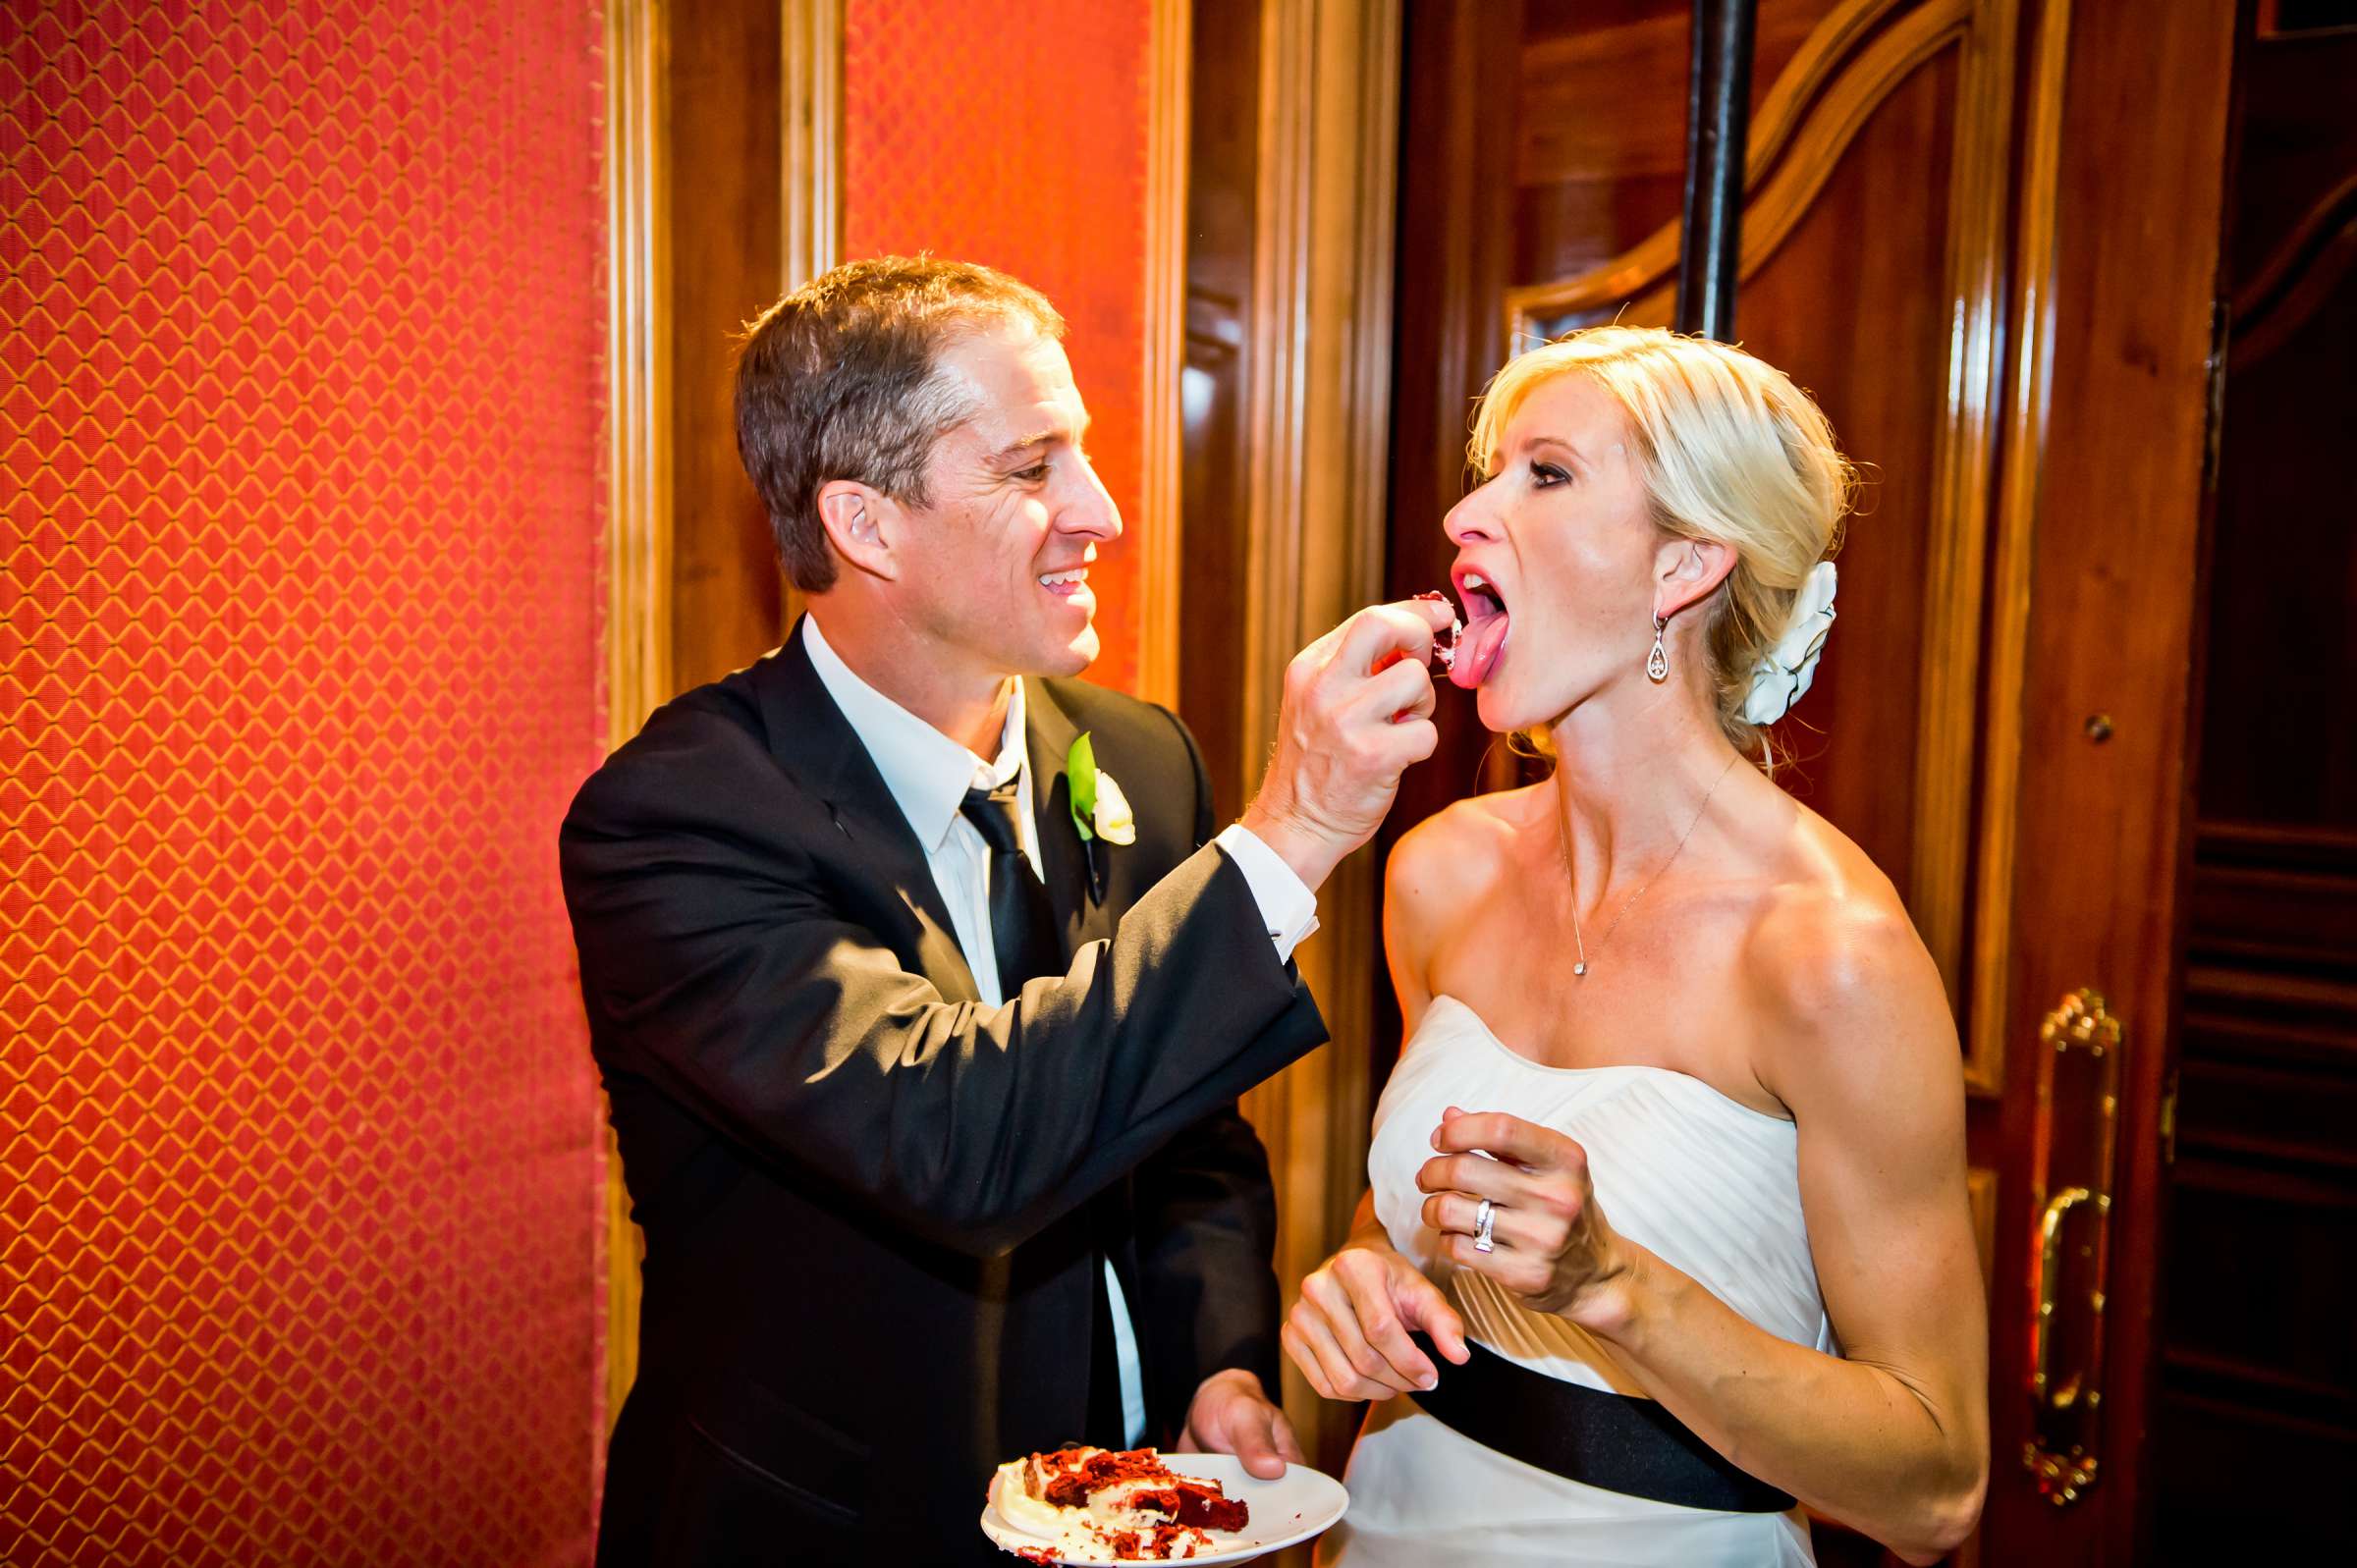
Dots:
pixel 1252 1436
pixel 1378 630
pixel 1403 686
pixel 1288 1447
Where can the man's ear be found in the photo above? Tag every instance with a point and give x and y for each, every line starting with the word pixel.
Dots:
pixel 1686 570
pixel 863 524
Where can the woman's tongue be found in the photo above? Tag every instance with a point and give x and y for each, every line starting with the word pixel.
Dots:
pixel 1478 649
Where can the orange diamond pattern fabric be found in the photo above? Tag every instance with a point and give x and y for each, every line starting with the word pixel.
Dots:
pixel 1016 135
pixel 301 316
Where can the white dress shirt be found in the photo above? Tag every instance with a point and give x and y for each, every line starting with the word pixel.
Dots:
pixel 928 775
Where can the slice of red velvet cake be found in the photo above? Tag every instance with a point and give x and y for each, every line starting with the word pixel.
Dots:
pixel 1127 1505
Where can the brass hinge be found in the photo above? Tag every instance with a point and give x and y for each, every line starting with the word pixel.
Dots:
pixel 2168 1120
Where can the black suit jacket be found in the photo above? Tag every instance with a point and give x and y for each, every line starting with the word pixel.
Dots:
pixel 872 1206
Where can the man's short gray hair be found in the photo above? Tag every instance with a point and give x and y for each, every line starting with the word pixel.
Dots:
pixel 841 380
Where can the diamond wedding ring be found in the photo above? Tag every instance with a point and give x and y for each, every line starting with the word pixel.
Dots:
pixel 1484 1226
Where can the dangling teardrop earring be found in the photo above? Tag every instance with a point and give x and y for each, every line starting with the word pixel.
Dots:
pixel 1656 663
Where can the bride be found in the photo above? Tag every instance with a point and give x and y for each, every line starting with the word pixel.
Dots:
pixel 1668 1231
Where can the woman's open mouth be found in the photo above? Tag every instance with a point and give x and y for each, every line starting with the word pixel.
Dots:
pixel 1487 624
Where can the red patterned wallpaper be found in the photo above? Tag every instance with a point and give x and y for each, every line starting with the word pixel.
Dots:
pixel 301 487
pixel 1016 135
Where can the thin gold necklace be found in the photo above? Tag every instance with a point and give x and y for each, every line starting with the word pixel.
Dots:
pixel 1562 837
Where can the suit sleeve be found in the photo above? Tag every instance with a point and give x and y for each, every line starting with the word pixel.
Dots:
pixel 1207 1230
pixel 715 967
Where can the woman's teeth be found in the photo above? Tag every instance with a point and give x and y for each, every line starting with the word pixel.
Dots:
pixel 1486 628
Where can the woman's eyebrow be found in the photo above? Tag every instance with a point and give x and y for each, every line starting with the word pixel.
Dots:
pixel 1560 445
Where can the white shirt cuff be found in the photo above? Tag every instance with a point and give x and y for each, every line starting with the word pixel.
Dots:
pixel 1289 910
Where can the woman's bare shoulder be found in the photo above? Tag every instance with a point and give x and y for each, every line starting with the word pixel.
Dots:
pixel 1832 960
pixel 1461 850
pixel 1448 863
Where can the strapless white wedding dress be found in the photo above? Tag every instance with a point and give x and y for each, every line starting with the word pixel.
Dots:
pixel 1711 1186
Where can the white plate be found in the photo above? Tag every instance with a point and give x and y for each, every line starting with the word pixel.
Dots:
pixel 1299 1505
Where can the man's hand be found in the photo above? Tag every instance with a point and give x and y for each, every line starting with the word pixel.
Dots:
pixel 1355 717
pixel 1231 1415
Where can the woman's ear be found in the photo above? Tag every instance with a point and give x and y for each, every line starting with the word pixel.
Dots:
pixel 1686 571
pixel 862 524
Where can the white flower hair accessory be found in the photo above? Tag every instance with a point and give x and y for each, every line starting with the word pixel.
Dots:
pixel 1781 677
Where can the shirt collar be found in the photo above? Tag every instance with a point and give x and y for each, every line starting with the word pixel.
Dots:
pixel 928 773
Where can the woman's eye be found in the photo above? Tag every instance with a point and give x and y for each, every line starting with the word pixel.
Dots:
pixel 1545 476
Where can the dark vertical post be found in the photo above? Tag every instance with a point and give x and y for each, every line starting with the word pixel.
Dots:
pixel 1717 114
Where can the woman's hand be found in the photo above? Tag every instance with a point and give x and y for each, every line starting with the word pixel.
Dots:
pixel 1551 1245
pixel 1348 1332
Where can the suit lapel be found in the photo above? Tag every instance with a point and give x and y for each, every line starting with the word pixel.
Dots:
pixel 1082 915
pixel 816 745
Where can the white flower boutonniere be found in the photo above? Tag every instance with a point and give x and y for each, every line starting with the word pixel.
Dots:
pixel 1782 675
pixel 1099 808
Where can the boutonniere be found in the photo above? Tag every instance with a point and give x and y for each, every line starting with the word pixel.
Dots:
pixel 1099 808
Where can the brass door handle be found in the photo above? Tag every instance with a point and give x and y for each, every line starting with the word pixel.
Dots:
pixel 2049 1276
pixel 2071 1158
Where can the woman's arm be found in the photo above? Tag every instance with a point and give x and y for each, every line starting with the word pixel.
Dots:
pixel 1349 1330
pixel 1891 1437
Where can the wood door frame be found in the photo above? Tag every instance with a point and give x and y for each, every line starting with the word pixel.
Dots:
pixel 2103 818
pixel 638 608
pixel 810 80
pixel 639 555
pixel 1316 436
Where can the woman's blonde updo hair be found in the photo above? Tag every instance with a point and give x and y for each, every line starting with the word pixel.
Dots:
pixel 1731 451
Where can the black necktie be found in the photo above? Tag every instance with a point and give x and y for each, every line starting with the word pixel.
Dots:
pixel 1023 933
pixel 1022 923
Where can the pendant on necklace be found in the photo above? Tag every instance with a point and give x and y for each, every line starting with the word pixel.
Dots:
pixel 1579 968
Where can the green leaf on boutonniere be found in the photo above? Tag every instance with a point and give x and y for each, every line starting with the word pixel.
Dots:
pixel 1080 767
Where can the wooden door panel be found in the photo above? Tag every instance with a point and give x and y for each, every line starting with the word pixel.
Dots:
pixel 1600 142
pixel 1970 233
pixel 1840 309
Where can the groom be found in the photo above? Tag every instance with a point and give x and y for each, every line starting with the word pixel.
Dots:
pixel 924 1068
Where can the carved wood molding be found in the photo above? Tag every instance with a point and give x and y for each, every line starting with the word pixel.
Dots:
pixel 1316 434
pixel 1815 108
pixel 2296 280
pixel 1950 658
pixel 1980 1192
pixel 638 626
pixel 1162 446
pixel 810 97
pixel 2032 336
pixel 638 369
pixel 811 206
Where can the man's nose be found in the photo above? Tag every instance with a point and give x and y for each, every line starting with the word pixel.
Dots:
pixel 1089 511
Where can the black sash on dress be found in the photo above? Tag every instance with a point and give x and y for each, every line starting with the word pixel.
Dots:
pixel 1632 1446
